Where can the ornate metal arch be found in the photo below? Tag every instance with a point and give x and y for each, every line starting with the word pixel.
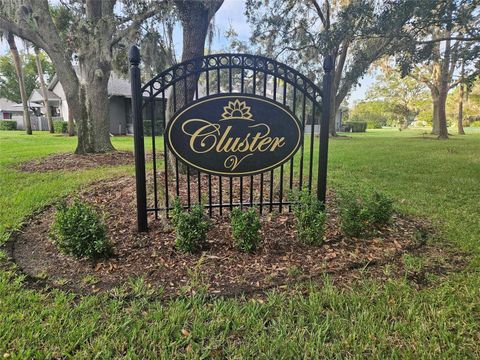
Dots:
pixel 229 74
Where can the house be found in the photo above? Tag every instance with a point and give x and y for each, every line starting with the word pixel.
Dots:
pixel 11 111
pixel 119 95
pixel 339 117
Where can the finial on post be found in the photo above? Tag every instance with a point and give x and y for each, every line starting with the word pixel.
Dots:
pixel 134 55
pixel 328 63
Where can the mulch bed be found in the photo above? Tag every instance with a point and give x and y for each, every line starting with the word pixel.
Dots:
pixel 74 162
pixel 281 262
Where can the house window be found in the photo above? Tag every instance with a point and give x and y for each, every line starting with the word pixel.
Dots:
pixel 7 116
pixel 55 111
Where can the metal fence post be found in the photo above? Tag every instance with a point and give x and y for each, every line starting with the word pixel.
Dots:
pixel 328 67
pixel 139 147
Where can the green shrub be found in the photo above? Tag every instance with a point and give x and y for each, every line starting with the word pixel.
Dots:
pixel 79 230
pixel 359 216
pixel 191 227
pixel 354 215
pixel 245 229
pixel 310 218
pixel 356 126
pixel 8 125
pixel 475 123
pixel 60 126
pixel 380 208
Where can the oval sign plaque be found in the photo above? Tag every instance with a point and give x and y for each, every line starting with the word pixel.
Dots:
pixel 234 135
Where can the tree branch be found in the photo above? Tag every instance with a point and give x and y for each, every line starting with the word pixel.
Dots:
pixel 21 32
pixel 320 13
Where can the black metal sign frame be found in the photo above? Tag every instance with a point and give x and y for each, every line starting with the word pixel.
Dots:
pixel 240 77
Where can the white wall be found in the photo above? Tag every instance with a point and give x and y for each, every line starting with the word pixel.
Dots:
pixel 58 89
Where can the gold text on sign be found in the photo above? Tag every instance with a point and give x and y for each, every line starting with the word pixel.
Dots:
pixel 207 136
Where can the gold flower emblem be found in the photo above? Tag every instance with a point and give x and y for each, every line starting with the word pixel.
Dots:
pixel 236 110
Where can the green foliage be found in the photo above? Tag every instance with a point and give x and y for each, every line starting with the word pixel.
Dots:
pixel 60 126
pixel 310 218
pixel 79 230
pixel 8 125
pixel 475 123
pixel 358 216
pixel 354 215
pixel 380 208
pixel 374 113
pixel 9 88
pixel 191 227
pixel 245 229
pixel 356 126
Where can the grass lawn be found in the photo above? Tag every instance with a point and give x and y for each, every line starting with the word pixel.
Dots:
pixel 438 180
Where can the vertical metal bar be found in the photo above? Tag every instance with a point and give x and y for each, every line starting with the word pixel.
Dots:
pixel 165 149
pixel 284 101
pixel 230 86
pixel 261 193
pixel 199 184
pixel 300 184
pixel 231 192
pixel 294 105
pixel 220 180
pixel 220 190
pixel 272 171
pixel 185 89
pixel 210 194
pixel 177 185
pixel 328 67
pixel 139 146
pixel 241 192
pixel 207 83
pixel 154 156
pixel 312 140
pixel 261 175
pixel 251 190
pixel 189 202
pixel 254 89
pixel 242 78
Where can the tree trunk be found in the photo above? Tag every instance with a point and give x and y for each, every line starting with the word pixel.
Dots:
pixel 461 94
pixel 195 17
pixel 44 89
pixel 442 115
pixel 70 125
pixel 461 131
pixel 435 105
pixel 94 129
pixel 21 82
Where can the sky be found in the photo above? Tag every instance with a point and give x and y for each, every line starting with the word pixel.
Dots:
pixel 232 13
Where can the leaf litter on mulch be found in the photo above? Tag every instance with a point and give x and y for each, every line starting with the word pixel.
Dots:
pixel 281 262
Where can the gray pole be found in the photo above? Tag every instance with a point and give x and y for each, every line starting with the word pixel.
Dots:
pixel 139 147
pixel 328 67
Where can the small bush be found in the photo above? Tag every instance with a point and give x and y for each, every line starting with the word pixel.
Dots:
pixel 60 126
pixel 245 229
pixel 191 227
pixel 310 218
pixel 359 216
pixel 354 216
pixel 380 208
pixel 79 230
pixel 356 126
pixel 8 125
